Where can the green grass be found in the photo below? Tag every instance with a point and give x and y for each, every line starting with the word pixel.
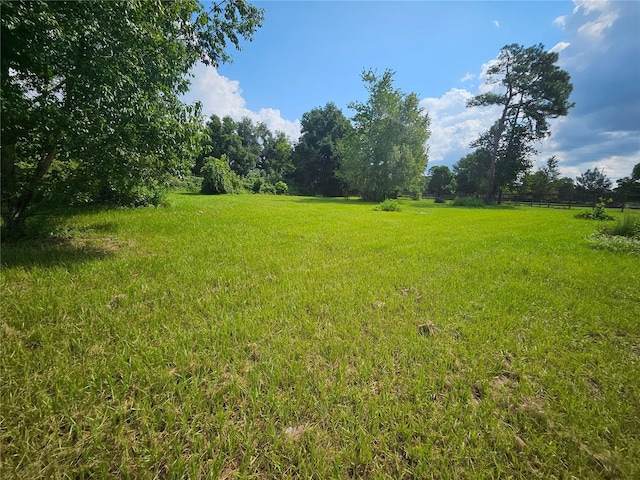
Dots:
pixel 288 337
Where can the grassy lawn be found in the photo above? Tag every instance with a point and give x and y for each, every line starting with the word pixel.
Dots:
pixel 281 337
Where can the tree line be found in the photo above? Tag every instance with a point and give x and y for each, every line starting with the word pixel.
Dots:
pixel 379 154
pixel 91 113
pixel 468 178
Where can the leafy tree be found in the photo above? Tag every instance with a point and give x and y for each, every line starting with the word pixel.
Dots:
pixel 543 182
pixel 385 152
pixel 593 184
pixel 276 157
pixel 244 148
pixel 534 90
pixel 316 156
pixel 442 181
pixel 566 189
pixel 214 142
pixel 471 172
pixel 92 89
pixel 628 188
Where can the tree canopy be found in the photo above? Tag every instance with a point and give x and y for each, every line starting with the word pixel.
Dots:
pixel 316 156
pixel 441 181
pixel 385 153
pixel 593 183
pixel 471 172
pixel 544 182
pixel 531 90
pixel 90 94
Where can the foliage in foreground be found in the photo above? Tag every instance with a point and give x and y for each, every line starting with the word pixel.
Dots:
pixel 288 337
pixel 91 93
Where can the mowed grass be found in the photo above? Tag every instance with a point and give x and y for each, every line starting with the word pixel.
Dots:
pixel 289 337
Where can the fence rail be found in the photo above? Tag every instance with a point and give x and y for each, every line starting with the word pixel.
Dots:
pixel 548 203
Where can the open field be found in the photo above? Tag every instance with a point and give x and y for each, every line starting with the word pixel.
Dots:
pixel 280 337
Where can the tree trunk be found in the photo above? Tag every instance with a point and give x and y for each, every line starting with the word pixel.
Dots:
pixel 15 206
pixel 489 194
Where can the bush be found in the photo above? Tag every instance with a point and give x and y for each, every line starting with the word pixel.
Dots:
pixel 388 205
pixel 598 213
pixel 187 183
pixel 267 188
pixel 133 195
pixel 218 178
pixel 467 202
pixel 281 188
pixel 256 186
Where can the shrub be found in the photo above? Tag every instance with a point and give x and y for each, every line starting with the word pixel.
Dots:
pixel 256 186
pixel 599 212
pixel 187 183
pixel 467 202
pixel 281 188
pixel 388 205
pixel 267 188
pixel 133 195
pixel 218 178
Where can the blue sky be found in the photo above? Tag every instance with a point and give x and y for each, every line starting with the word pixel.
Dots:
pixel 309 53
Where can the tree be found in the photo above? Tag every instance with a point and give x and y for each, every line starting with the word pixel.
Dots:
pixel 534 90
pixel 244 148
pixel 593 184
pixel 90 93
pixel 566 188
pixel 275 159
pixel 316 157
pixel 471 172
pixel 385 152
pixel 628 188
pixel 441 181
pixel 214 142
pixel 543 182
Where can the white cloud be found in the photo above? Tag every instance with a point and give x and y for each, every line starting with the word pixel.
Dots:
pixel 222 96
pixel 454 126
pixel 496 23
pixel 606 16
pixel 467 77
pixel 560 46
pixel 560 21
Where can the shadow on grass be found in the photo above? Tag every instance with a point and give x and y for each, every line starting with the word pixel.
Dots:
pixel 335 200
pixel 54 252
pixel 49 242
pixel 189 193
